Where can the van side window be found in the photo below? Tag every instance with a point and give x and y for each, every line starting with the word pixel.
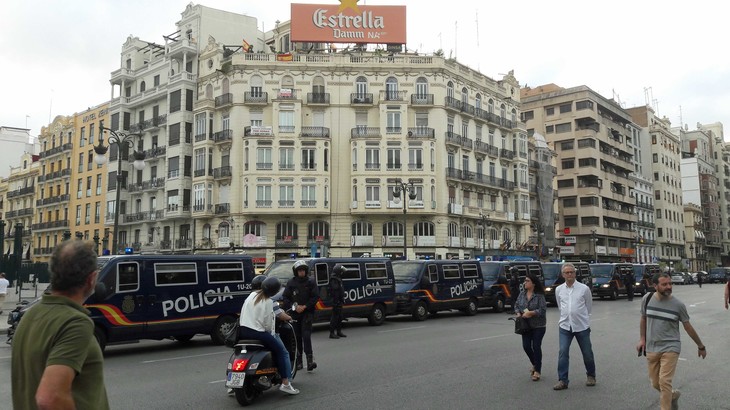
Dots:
pixel 451 271
pixel 375 271
pixel 176 274
pixel 127 277
pixel 470 270
pixel 433 274
pixel 220 272
pixel 352 271
pixel 320 274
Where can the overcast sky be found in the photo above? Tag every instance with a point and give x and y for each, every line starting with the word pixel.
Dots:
pixel 56 56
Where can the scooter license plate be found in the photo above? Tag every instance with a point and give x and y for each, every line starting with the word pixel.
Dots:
pixel 235 379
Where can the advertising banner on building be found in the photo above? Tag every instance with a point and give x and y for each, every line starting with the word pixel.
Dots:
pixel 348 22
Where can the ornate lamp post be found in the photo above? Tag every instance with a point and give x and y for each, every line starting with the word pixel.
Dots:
pixel 691 256
pixel 409 189
pixel 594 239
pixel 120 139
pixel 485 223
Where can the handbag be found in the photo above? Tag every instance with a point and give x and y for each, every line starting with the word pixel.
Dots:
pixel 522 326
pixel 231 337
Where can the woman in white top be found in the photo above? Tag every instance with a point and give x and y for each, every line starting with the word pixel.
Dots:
pixel 257 322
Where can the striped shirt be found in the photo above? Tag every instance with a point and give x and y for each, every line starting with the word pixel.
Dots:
pixel 662 323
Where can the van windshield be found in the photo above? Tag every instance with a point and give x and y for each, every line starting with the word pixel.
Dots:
pixel 602 271
pixel 407 272
pixel 280 270
pixel 551 271
pixel 490 271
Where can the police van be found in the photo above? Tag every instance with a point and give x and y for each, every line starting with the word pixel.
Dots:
pixel 428 286
pixel 162 296
pixel 644 275
pixel 608 279
pixel 496 291
pixel 369 285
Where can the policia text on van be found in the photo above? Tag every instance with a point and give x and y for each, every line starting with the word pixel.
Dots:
pixel 156 297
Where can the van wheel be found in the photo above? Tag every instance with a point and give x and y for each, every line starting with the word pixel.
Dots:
pixel 100 336
pixel 471 308
pixel 498 305
pixel 222 326
pixel 420 312
pixel 183 338
pixel 614 294
pixel 377 315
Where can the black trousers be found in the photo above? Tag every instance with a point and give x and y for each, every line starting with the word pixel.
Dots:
pixel 303 329
pixel 336 319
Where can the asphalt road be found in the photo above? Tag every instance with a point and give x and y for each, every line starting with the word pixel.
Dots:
pixel 448 361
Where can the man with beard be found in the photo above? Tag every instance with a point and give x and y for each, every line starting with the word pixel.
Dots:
pixel 659 338
pixel 56 361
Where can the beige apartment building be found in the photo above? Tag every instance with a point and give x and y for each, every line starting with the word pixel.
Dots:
pixel 592 137
pixel 19 194
pixel 53 186
pixel 88 193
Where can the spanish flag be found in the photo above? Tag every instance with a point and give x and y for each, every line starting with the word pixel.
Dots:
pixel 246 46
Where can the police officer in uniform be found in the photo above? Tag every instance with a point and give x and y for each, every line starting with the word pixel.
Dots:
pixel 629 283
pixel 337 293
pixel 303 290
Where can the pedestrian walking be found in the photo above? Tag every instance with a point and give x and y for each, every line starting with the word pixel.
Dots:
pixel 303 290
pixel 699 279
pixel 629 281
pixel 531 305
pixel 727 293
pixel 56 362
pixel 3 290
pixel 337 293
pixel 659 338
pixel 574 301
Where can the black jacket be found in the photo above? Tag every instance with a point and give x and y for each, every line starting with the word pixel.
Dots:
pixel 337 292
pixel 303 291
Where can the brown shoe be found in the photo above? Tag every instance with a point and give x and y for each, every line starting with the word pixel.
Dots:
pixel 535 376
pixel 560 386
pixel 591 381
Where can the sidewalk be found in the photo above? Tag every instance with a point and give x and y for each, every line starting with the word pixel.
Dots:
pixel 11 300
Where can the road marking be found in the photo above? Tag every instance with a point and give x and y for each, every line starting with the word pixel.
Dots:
pixel 182 357
pixel 398 330
pixel 217 381
pixel 488 337
pixel 695 304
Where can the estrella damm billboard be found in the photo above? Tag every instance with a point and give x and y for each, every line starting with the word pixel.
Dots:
pixel 348 23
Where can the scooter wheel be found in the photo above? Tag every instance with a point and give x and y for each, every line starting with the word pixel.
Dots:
pixel 246 394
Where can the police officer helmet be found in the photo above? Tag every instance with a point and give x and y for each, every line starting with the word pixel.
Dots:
pixel 257 281
pixel 270 286
pixel 338 270
pixel 300 264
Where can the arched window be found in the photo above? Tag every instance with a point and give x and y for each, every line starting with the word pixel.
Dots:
pixel 318 89
pixel 286 231
pixel 514 115
pixel 450 89
pixel 424 229
pixel 361 87
pixel 209 91
pixel 391 89
pixel 503 111
pixel 362 228
pixel 392 229
pixel 318 231
pixel 453 229
pixel 225 85
pixel 490 106
pixel 142 86
pixel 224 230
pixel 478 101
pixel 464 96
pixel 421 87
pixel 257 86
pixel 287 82
pixel 206 231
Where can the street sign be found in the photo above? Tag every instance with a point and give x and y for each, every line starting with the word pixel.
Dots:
pixel 569 240
pixel 566 231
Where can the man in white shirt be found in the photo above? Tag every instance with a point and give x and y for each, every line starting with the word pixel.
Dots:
pixel 3 290
pixel 575 301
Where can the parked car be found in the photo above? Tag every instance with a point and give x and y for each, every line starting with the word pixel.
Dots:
pixel 688 279
pixel 718 275
pixel 678 278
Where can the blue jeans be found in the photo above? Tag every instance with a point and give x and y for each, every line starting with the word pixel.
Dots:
pixel 273 343
pixel 532 345
pixel 584 341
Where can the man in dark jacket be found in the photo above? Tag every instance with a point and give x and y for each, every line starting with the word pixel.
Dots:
pixel 302 290
pixel 337 293
pixel 629 281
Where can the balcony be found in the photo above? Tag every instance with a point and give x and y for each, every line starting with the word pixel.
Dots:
pixel 177 210
pixel 506 154
pixel 22 191
pixel 421 132
pixel 361 98
pixel 49 225
pixel 202 208
pixel 57 150
pixel 308 203
pixel 19 213
pixel 456 139
pixel 149 185
pixel 223 100
pixel 286 203
pixel 315 132
pixel 155 153
pixel 392 95
pixel 223 136
pixel 422 99
pixel 484 148
pixel 222 209
pixel 255 98
pixel 286 242
pixel 51 201
pixel 222 172
pixel 364 132
pixel 286 94
pixel 183 243
pixel 308 166
pixel 54 175
pixel 318 98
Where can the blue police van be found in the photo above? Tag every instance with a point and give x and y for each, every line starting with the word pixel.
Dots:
pixel 496 291
pixel 369 285
pixel 168 296
pixel 429 286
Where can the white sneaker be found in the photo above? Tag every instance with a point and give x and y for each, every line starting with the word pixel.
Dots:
pixel 288 388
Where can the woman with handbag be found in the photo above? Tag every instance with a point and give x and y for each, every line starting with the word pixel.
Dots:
pixel 532 307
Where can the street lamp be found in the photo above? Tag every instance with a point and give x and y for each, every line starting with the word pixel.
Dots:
pixel 410 189
pixel 485 222
pixel 120 139
pixel 691 256
pixel 594 239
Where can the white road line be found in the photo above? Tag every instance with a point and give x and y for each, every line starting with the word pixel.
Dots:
pixel 695 304
pixel 182 357
pixel 488 337
pixel 217 381
pixel 398 330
